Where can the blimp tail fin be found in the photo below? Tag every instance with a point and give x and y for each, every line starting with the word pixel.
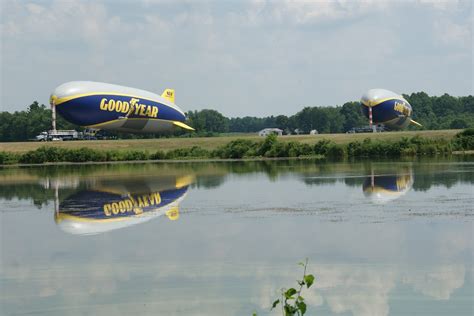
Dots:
pixel 415 123
pixel 184 181
pixel 168 94
pixel 182 125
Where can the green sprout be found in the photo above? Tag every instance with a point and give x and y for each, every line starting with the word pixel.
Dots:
pixel 291 301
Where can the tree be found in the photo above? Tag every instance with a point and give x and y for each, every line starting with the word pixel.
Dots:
pixel 208 121
pixel 446 104
pixel 468 104
pixel 422 105
pixel 24 125
pixel 458 123
pixel 281 121
pixel 353 116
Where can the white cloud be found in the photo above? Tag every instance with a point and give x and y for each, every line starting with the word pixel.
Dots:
pixel 451 33
pixel 361 290
pixel 302 12
pixel 443 4
pixel 438 282
pixel 340 47
pixel 62 20
pixel 35 8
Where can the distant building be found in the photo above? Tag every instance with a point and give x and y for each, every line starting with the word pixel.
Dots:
pixel 269 131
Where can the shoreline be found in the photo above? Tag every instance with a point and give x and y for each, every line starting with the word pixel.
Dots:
pixel 269 148
pixel 209 160
pixel 177 161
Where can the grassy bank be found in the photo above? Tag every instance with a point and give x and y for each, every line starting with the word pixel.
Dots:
pixel 270 147
pixel 212 143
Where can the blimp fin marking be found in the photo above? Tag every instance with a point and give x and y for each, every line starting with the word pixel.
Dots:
pixel 173 213
pixel 169 95
pixel 182 125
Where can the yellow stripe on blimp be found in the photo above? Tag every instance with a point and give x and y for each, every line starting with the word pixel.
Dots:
pixel 59 217
pixel 415 123
pixel 377 102
pixel 182 125
pixel 57 101
pixel 177 123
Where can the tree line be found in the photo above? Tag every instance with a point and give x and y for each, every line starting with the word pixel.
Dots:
pixel 433 112
pixel 25 125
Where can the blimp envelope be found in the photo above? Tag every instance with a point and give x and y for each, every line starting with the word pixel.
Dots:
pixel 109 207
pixel 381 189
pixel 113 107
pixel 388 108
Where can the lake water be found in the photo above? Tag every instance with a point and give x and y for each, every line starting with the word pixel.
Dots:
pixel 382 238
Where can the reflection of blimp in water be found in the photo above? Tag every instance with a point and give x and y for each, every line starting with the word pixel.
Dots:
pixel 385 188
pixel 112 206
pixel 385 107
pixel 112 107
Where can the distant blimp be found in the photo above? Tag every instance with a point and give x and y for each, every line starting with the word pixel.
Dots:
pixel 113 107
pixel 385 107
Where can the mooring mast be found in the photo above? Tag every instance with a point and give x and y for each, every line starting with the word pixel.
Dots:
pixel 53 116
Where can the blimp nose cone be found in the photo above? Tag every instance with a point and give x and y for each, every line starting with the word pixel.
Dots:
pixel 66 90
pixel 381 197
pixel 69 88
pixel 374 96
pixel 77 228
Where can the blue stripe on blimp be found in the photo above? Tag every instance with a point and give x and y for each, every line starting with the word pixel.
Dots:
pixel 390 110
pixel 96 205
pixel 98 109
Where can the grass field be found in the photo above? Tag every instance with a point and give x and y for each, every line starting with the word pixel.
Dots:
pixel 214 142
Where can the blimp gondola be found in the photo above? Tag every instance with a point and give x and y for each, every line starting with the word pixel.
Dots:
pixel 115 204
pixel 112 107
pixel 385 107
pixel 384 188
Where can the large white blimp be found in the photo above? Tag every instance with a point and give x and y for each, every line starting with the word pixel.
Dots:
pixel 388 108
pixel 113 107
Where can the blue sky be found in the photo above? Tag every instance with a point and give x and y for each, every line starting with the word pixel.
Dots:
pixel 238 57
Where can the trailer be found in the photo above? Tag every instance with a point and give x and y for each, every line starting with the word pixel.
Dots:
pixel 59 135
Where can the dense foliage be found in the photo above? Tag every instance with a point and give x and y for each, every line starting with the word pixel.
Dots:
pixel 443 112
pixel 25 125
pixel 271 147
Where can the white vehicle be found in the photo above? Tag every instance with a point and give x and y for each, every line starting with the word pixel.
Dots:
pixel 42 137
pixel 58 135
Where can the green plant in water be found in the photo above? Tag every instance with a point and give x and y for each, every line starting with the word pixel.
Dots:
pixel 291 301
